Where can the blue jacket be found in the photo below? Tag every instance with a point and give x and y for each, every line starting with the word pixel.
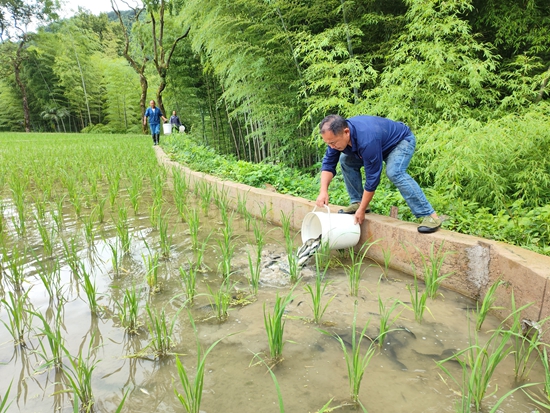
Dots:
pixel 153 115
pixel 372 140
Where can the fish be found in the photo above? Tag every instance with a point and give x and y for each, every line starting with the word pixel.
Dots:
pixel 307 250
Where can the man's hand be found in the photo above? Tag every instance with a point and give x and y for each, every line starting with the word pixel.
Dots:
pixel 359 216
pixel 144 123
pixel 322 199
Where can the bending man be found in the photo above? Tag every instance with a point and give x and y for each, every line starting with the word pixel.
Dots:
pixel 367 141
pixel 155 115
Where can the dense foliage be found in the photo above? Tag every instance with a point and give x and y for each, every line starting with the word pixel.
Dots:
pixel 251 80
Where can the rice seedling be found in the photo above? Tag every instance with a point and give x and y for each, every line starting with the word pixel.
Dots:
pixel 50 334
pixel 46 235
pixel 76 201
pixel 180 191
pixel 263 212
pixel 386 320
pixel 165 238
pixel 15 273
pixel 431 268
pixel 4 405
pixel 316 293
pixel 191 397
pixel 323 254
pixel 194 225
pixel 123 229
pixel 254 277
pixel 40 207
pixel 478 366
pixel 116 256
pixel 277 387
pixel 90 289
pixel 128 310
pixel 19 317
pixel 247 216
pixel 275 326
pixel 50 275
pixel 160 331
pixel 418 300
pixel 525 337
pixel 220 300
pixel 57 212
pixel 544 399
pixel 199 253
pixel 78 372
pixel 18 188
pixel 134 189
pixel 70 253
pixel 92 181
pixel 206 193
pixel 157 182
pixel 386 255
pixel 227 247
pixel 487 303
pixel 113 177
pixel 189 281
pixel 355 362
pixel 151 272
pixel 289 247
pixel 154 212
pixel 241 203
pixel 354 269
pixel 101 210
pixel 89 226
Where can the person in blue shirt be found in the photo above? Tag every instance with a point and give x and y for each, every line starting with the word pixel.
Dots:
pixel 368 141
pixel 155 115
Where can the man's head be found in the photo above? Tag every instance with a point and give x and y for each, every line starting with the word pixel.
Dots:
pixel 152 103
pixel 174 113
pixel 335 132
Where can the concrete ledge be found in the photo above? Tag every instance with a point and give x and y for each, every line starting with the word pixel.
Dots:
pixel 476 263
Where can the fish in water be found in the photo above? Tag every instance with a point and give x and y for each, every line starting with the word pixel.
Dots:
pixel 307 250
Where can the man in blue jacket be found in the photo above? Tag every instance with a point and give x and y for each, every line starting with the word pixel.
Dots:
pixel 155 115
pixel 367 141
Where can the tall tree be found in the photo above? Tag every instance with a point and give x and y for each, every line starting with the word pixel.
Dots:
pixel 134 47
pixel 16 19
pixel 166 33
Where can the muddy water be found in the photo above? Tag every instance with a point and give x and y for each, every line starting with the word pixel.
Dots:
pixel 402 375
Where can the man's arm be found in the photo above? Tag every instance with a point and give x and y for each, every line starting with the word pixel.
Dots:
pixel 326 178
pixel 365 201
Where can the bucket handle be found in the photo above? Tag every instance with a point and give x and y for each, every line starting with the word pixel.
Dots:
pixel 328 213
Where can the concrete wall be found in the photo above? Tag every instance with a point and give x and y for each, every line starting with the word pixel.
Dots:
pixel 476 263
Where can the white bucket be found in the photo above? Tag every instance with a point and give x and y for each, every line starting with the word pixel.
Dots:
pixel 167 128
pixel 339 230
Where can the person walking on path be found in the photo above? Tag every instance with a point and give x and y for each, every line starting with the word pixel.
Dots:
pixel 367 141
pixel 175 121
pixel 155 115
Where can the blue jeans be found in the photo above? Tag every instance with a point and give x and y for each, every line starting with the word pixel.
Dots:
pixel 155 128
pixel 397 163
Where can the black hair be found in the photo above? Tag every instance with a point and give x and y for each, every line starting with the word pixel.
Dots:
pixel 334 123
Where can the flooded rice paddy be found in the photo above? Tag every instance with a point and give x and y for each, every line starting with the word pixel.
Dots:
pixel 91 226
